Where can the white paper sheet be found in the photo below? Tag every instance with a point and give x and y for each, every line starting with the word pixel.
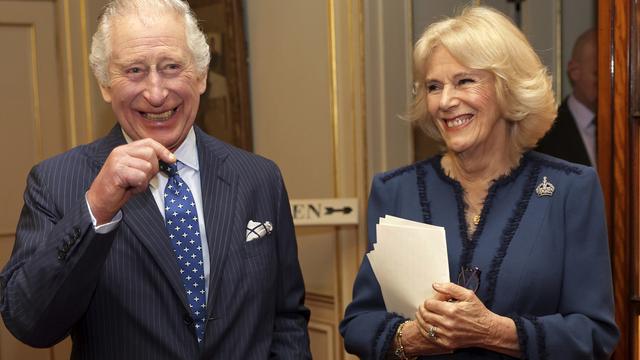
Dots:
pixel 407 259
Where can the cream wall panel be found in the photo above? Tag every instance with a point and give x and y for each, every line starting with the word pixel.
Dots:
pixel 290 87
pixel 316 252
pixel 85 108
pixel 322 331
pixel 541 23
pixel 388 38
pixel 21 133
pixel 505 6
pixel 426 12
pixel 290 91
pixel 350 152
pixel 30 107
pixel 307 93
pixel 323 347
pixel 102 118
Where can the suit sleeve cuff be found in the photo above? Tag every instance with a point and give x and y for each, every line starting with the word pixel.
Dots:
pixel 107 227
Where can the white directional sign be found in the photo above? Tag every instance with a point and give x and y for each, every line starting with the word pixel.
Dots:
pixel 335 211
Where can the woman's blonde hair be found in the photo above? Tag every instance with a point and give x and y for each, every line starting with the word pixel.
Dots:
pixel 482 38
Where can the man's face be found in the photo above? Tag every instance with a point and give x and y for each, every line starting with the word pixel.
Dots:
pixel 154 88
pixel 583 72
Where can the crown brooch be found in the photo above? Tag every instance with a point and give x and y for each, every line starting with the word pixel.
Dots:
pixel 545 188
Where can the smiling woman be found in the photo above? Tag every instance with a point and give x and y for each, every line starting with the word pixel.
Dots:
pixel 463 106
pixel 487 99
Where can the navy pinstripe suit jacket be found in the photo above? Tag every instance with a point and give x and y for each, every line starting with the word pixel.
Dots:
pixel 120 296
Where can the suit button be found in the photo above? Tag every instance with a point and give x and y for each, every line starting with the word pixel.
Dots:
pixel 76 233
pixel 61 255
pixel 65 247
pixel 188 320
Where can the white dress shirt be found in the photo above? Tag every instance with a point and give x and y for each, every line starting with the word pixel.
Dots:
pixel 189 171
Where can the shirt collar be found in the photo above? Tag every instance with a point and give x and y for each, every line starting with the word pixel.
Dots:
pixel 581 113
pixel 187 154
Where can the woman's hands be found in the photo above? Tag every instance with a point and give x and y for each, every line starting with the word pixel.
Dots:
pixel 455 318
pixel 415 344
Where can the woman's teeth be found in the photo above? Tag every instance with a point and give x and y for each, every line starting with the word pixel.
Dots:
pixel 459 121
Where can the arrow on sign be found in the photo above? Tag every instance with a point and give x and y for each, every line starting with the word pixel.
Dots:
pixel 329 210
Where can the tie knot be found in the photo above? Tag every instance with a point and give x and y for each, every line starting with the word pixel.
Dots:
pixel 169 169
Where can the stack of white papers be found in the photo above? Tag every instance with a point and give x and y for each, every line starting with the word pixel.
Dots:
pixel 407 259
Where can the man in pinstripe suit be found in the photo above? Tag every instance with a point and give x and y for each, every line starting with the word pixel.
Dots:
pixel 93 257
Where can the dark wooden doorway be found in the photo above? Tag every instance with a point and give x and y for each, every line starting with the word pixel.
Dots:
pixel 618 154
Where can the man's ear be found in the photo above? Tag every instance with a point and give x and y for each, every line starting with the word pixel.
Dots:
pixel 202 83
pixel 106 93
pixel 573 70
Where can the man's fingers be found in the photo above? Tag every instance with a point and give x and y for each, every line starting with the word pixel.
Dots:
pixel 161 152
pixel 148 150
pixel 137 172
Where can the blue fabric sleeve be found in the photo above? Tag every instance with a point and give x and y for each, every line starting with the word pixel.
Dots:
pixel 49 281
pixel 290 333
pixel 584 327
pixel 368 328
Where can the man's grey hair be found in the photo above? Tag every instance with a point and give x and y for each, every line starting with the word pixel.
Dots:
pixel 101 42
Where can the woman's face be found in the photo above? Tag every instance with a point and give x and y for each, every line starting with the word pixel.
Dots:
pixel 463 105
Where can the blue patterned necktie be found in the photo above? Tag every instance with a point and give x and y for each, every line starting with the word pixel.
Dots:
pixel 181 220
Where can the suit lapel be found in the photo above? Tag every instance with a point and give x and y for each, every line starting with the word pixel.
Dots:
pixel 100 150
pixel 573 143
pixel 144 219
pixel 219 187
pixel 142 216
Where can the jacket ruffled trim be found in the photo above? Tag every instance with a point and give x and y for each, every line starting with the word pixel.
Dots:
pixel 388 337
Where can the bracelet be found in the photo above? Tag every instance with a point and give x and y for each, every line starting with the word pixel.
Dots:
pixel 400 348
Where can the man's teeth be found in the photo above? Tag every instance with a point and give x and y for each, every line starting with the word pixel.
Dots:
pixel 163 116
pixel 459 121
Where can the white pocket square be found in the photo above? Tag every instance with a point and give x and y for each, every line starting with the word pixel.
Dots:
pixel 257 230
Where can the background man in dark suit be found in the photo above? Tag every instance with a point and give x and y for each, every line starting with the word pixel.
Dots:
pixel 156 241
pixel 573 136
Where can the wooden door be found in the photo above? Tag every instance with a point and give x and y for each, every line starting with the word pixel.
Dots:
pixel 618 159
